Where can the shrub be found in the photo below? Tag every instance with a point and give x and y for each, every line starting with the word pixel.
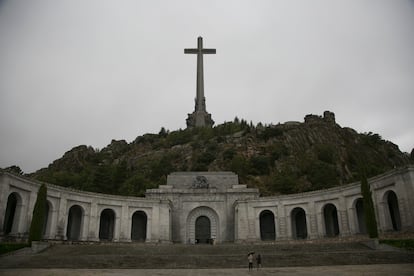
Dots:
pixel 369 211
pixel 36 226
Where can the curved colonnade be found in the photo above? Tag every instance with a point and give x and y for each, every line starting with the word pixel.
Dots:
pixel 84 216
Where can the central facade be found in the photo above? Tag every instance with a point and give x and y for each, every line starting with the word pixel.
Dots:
pixel 202 209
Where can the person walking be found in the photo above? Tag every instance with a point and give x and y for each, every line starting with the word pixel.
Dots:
pixel 259 261
pixel 250 258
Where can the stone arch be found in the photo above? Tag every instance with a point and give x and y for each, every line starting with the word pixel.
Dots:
pixel 299 226
pixel 107 224
pixel 330 217
pixel 393 210
pixel 12 214
pixel 211 215
pixel 139 226
pixel 75 221
pixel 360 216
pixel 267 225
pixel 203 230
pixel 47 219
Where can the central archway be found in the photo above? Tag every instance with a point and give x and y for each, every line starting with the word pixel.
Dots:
pixel 203 230
pixel 202 225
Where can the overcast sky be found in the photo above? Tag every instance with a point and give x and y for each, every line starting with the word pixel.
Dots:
pixel 78 72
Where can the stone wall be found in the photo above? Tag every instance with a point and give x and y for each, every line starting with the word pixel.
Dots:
pixel 60 200
pixel 341 199
pixel 235 212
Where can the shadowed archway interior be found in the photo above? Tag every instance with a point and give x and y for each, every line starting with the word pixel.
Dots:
pixel 74 223
pixel 10 215
pixel 139 226
pixel 203 230
pixel 107 225
pixel 299 226
pixel 392 201
pixel 267 226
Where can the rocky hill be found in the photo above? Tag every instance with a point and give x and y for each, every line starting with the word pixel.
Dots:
pixel 278 159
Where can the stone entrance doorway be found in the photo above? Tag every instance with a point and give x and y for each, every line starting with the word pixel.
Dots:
pixel 359 207
pixel 73 229
pixel 139 227
pixel 10 217
pixel 106 225
pixel 267 226
pixel 299 227
pixel 202 226
pixel 394 211
pixel 330 216
pixel 203 230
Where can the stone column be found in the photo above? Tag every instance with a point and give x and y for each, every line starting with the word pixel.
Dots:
pixel 311 221
pixel 251 224
pixel 4 195
pixel 117 228
pixel 343 221
pixel 53 222
pixel 153 220
pixel 85 224
pixel 61 218
pixel 125 232
pixel 282 232
pixel 93 234
pixel 353 218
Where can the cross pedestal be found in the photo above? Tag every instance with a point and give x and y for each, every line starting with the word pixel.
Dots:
pixel 200 117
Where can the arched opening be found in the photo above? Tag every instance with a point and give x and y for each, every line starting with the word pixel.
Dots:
pixel 213 220
pixel 73 230
pixel 330 216
pixel 392 201
pixel 139 226
pixel 203 230
pixel 267 226
pixel 359 208
pixel 107 225
pixel 11 217
pixel 46 219
pixel 299 227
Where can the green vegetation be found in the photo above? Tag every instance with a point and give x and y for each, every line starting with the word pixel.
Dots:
pixel 369 210
pixel 6 247
pixel 277 159
pixel 38 219
pixel 404 244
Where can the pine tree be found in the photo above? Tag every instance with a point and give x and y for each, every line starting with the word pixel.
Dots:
pixel 36 226
pixel 369 210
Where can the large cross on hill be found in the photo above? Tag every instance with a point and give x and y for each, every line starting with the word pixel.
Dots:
pixel 200 117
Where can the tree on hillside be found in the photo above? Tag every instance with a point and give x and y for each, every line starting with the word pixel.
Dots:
pixel 369 211
pixel 36 226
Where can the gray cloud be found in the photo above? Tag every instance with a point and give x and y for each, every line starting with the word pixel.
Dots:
pixel 84 72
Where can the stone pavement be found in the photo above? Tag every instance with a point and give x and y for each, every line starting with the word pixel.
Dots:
pixel 343 270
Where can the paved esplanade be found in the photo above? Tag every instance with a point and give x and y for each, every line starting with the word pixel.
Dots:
pixel 200 117
pixel 342 270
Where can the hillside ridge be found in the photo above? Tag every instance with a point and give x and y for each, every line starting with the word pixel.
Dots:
pixel 284 158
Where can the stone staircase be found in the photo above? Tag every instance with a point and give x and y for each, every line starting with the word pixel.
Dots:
pixel 111 255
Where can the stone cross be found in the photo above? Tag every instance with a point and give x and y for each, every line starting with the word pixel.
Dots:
pixel 200 100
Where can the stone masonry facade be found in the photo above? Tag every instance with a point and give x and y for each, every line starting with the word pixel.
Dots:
pixel 206 207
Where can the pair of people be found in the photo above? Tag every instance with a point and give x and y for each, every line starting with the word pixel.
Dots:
pixel 250 258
